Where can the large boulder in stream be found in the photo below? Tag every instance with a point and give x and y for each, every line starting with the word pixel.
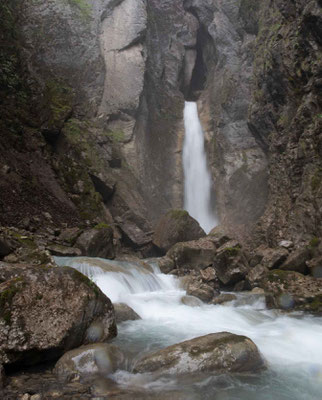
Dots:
pixel 45 311
pixel 217 352
pixel 176 226
pixel 93 359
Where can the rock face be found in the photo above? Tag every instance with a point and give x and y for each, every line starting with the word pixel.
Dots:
pixel 291 290
pixel 218 352
pixel 238 163
pixel 93 359
pixel 176 226
pixel 284 115
pixel 46 311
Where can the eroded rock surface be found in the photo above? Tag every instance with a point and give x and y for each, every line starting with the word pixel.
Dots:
pixel 217 352
pixel 48 310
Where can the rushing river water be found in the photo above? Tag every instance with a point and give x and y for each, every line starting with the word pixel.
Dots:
pixel 291 343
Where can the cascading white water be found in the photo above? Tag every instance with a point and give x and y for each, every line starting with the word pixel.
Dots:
pixel 197 179
pixel 290 343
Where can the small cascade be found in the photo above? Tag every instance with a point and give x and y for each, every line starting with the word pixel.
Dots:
pixel 197 178
pixel 121 279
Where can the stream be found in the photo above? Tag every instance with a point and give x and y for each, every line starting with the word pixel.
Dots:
pixel 291 343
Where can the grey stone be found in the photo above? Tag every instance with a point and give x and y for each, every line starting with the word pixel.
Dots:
pixel 217 353
pixel 123 312
pixel 90 360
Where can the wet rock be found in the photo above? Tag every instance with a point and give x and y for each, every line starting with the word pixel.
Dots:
pixel 240 286
pixel 296 261
pixel 176 226
pixel 224 298
pixel 97 242
pixel 193 255
pixel 64 251
pixel 217 352
pixel 208 274
pixel 256 275
pixel 123 312
pixel 94 359
pixel 230 263
pixel 290 290
pixel 258 290
pixel 202 291
pixel 46 311
pixel 166 264
pixel 191 301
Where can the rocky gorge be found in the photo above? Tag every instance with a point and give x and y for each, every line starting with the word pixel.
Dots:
pixel 92 95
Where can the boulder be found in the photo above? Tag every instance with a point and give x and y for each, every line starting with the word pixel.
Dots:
pixel 123 312
pixel 176 226
pixel 219 235
pixel 224 298
pixel 202 291
pixel 256 275
pixel 290 290
pixel 166 264
pixel 191 301
pixel 97 242
pixel 195 254
pixel 230 263
pixel 63 251
pixel 296 261
pixel 217 352
pixel 93 359
pixel 45 311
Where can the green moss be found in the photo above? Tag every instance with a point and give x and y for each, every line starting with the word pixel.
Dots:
pixel 314 242
pixel 60 99
pixel 83 7
pixel 116 135
pixel 278 275
pixel 316 304
pixel 316 180
pixel 232 251
pixel 178 214
pixel 84 279
pixel 6 297
pixel 102 225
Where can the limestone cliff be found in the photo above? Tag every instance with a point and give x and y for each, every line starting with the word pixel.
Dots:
pixel 92 96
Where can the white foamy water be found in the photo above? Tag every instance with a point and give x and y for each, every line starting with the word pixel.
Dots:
pixel 291 344
pixel 197 178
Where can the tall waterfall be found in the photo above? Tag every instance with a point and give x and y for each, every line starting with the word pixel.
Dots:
pixel 197 183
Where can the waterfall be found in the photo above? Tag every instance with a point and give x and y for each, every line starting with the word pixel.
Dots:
pixel 197 179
